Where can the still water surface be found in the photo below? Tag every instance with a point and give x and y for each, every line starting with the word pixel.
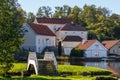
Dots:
pixel 114 67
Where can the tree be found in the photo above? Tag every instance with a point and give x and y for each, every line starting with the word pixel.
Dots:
pixel 30 17
pixel 40 12
pixel 59 49
pixel 11 18
pixel 47 11
pixel 62 12
pixel 58 12
pixel 100 24
pixel 44 11
pixel 76 52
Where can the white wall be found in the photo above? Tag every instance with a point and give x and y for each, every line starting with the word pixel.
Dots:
pixel 67 50
pixel 68 46
pixel 96 50
pixel 71 44
pixel 115 49
pixel 29 38
pixel 82 34
pixel 35 42
pixel 43 41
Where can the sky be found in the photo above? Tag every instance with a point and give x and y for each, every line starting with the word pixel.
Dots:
pixel 33 5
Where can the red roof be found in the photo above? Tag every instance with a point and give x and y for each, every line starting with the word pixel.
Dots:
pixel 86 44
pixel 110 44
pixel 53 20
pixel 41 29
pixel 72 27
pixel 72 38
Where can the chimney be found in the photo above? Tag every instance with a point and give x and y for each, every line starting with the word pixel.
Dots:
pixel 83 42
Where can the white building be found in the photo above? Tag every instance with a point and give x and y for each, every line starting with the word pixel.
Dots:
pixel 70 42
pixel 71 30
pixel 93 48
pixel 71 35
pixel 46 32
pixel 37 37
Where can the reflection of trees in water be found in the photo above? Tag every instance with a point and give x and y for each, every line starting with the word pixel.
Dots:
pixel 114 67
pixel 72 62
pixel 77 63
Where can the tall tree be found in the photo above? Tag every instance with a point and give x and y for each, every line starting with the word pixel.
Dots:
pixel 30 17
pixel 116 21
pixel 62 12
pixel 44 11
pixel 11 18
pixel 40 12
pixel 58 12
pixel 75 15
pixel 88 14
pixel 47 11
pixel 99 23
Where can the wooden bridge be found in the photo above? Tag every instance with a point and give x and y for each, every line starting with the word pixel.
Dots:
pixel 47 65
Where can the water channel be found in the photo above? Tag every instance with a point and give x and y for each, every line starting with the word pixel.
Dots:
pixel 112 66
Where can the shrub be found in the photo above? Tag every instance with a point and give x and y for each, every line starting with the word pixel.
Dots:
pixel 94 73
pixel 105 78
pixel 22 55
pixel 76 52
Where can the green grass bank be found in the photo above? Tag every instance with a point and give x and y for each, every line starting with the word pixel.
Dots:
pixel 66 72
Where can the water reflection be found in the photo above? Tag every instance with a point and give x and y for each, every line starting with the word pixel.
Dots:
pixel 114 67
pixel 97 64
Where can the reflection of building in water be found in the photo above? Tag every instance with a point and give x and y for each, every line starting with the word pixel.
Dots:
pixel 114 67
pixel 97 64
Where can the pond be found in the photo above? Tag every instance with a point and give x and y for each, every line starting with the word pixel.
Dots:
pixel 112 66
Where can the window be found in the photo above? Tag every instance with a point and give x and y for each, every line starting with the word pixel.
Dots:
pixel 43 41
pixel 55 28
pixel 96 45
pixel 96 54
pixel 26 30
pixel 47 41
pixel 38 41
pixel 114 51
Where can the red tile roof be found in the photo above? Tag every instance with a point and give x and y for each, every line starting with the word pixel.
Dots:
pixel 86 44
pixel 72 27
pixel 53 20
pixel 110 44
pixel 41 29
pixel 73 38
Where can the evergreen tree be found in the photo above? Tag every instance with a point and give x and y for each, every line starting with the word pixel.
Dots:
pixel 59 49
pixel 11 18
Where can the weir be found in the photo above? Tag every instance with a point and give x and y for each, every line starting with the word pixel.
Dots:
pixel 47 65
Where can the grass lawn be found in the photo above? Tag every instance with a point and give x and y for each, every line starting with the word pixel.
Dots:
pixel 76 72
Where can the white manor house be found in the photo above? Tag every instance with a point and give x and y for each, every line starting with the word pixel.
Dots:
pixel 48 32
